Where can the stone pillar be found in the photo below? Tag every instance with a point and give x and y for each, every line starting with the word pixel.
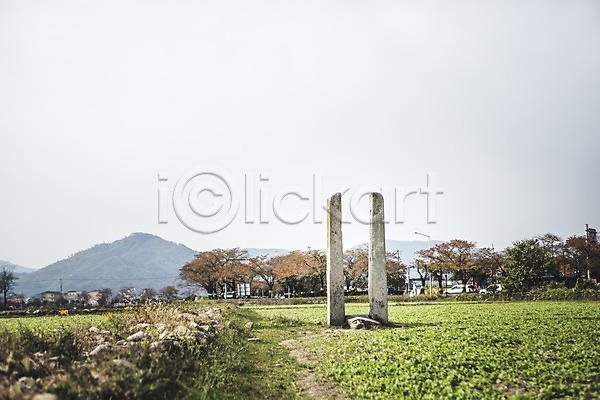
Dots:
pixel 377 274
pixel 336 313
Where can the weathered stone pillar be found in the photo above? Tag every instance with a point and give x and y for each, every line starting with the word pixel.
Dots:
pixel 336 313
pixel 377 274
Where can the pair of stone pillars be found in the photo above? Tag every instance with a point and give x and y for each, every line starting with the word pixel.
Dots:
pixel 336 313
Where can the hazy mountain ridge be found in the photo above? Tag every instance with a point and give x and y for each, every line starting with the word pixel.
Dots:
pixel 17 269
pixel 140 260
pixel 273 252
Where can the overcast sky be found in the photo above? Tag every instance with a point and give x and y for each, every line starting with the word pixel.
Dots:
pixel 499 99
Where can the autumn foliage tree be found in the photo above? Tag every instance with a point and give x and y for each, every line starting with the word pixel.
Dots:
pixel 289 272
pixel 356 267
pixel 395 270
pixel 456 257
pixel 169 293
pixel 216 270
pixel 264 268
pixel 583 255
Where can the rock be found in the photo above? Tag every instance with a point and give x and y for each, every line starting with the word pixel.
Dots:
pixel 362 321
pixel 154 345
pixel 124 363
pixel 139 327
pixel 230 325
pixel 204 328
pixel 168 344
pixel 26 382
pixel 93 329
pixel 100 349
pixel 253 339
pixel 278 365
pixel 136 337
pixel 249 326
pixel 356 324
pixel 192 324
pixel 45 396
pixel 182 331
pixel 122 342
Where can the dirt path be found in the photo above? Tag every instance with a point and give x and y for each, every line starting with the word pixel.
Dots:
pixel 309 377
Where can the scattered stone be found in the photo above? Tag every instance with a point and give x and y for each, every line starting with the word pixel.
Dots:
pixel 124 363
pixel 229 325
pixel 362 321
pixel 154 345
pixel 278 365
pixel 168 344
pixel 192 324
pixel 142 326
pixel 356 324
pixel 122 342
pixel 253 339
pixel 249 326
pixel 93 329
pixel 137 336
pixel 26 382
pixel 100 349
pixel 182 331
pixel 45 396
pixel 204 328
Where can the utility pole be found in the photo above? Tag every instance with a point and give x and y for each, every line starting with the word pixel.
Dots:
pixel 430 274
pixel 61 293
pixel 590 235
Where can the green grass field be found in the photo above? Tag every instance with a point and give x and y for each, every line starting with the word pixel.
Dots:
pixel 53 322
pixel 443 350
pixel 461 351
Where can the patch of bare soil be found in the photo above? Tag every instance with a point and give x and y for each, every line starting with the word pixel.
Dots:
pixel 310 381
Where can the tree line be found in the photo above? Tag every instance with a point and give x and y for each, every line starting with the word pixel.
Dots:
pixel 520 267
pixel 301 272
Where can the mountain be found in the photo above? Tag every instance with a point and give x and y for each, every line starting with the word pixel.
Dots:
pixel 140 260
pixel 268 252
pixel 17 269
